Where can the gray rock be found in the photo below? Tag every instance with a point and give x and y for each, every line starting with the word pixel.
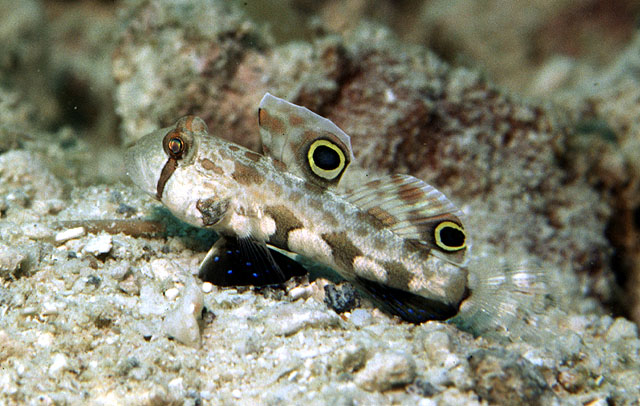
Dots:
pixel 505 378
pixel 352 357
pixel 10 260
pixel 291 318
pixel 622 329
pixel 386 371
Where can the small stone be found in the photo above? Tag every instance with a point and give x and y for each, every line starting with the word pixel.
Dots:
pixel 45 340
pixel 162 269
pixel 36 231
pixel 69 234
pixel 572 380
pixel 360 317
pixel 152 302
pixel 505 378
pixel 181 323
pixel 176 386
pixel 58 365
pixel 352 357
pixel 53 308
pixel 130 285
pixel 621 329
pixel 422 387
pixel 98 245
pixel 386 371
pixel 300 292
pixel 290 319
pixel 120 270
pixel 126 210
pixel 207 287
pixel 341 298
pixel 10 260
pixel 171 293
pixel 598 402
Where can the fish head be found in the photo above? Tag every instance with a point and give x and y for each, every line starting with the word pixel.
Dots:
pixel 174 165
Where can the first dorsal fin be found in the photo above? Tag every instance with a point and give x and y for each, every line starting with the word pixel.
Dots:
pixel 311 146
pixel 415 211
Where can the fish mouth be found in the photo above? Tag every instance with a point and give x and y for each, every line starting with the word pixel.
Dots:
pixel 144 161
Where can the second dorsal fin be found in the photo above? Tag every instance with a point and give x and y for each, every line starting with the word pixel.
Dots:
pixel 415 211
pixel 311 146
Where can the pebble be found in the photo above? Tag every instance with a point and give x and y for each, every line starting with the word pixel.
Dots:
pixel 290 319
pixel 341 298
pixel 130 285
pixel 207 287
pixel 45 340
pixel 120 270
pixel 171 293
pixel 69 234
pixel 598 402
pixel 352 357
pixel 300 292
pixel 505 378
pixel 181 322
pixel 8 383
pixel 53 308
pixel 360 317
pixel 98 245
pixel 621 329
pixel 10 260
pixel 151 301
pixel 386 371
pixel 572 380
pixel 36 231
pixel 58 365
pixel 162 269
pixel 176 386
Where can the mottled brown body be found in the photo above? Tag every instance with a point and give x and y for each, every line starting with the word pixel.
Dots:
pixel 320 225
pixel 396 237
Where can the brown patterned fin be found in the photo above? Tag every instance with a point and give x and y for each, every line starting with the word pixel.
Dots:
pixel 415 211
pixel 295 135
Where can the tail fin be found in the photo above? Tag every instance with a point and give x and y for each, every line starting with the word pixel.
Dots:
pixel 503 295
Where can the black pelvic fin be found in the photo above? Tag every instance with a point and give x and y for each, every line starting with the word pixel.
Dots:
pixel 243 261
pixel 408 306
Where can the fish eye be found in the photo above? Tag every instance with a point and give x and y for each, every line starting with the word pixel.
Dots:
pixel 326 159
pixel 450 236
pixel 174 145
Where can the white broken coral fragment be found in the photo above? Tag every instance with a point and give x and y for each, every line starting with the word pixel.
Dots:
pixel 69 234
pixel 181 322
pixel 10 260
pixel 98 245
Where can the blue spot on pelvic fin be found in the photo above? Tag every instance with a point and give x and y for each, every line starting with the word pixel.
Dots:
pixel 242 261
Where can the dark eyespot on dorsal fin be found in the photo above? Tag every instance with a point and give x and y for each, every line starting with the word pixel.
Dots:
pixel 310 146
pixel 415 211
pixel 242 262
